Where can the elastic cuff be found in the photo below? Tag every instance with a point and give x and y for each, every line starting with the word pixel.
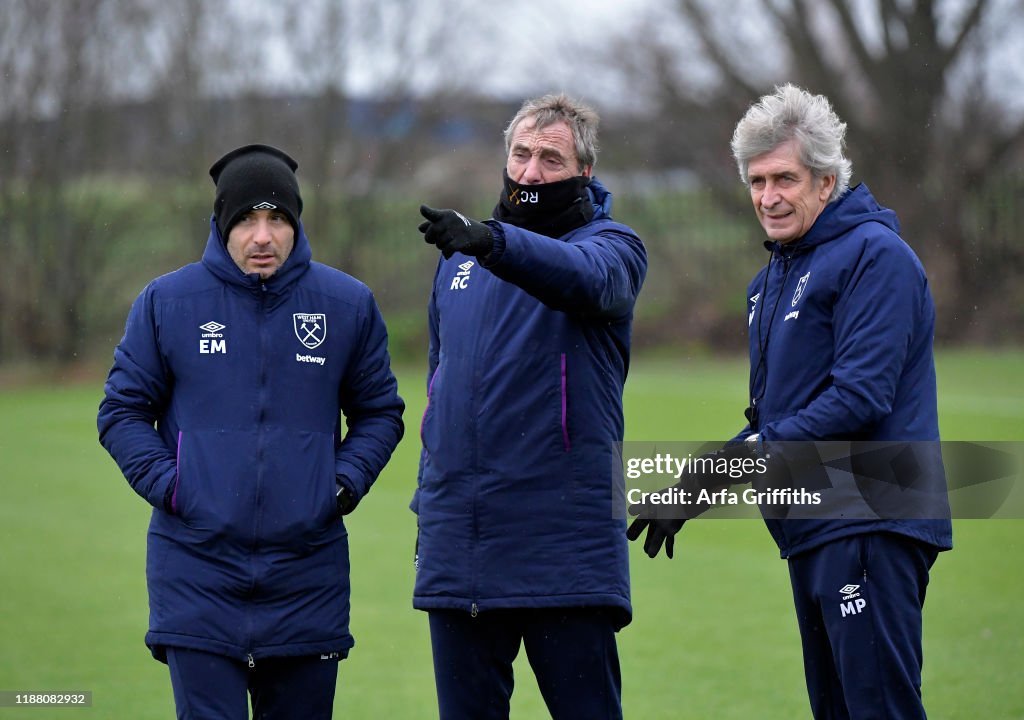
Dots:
pixel 498 248
pixel 346 494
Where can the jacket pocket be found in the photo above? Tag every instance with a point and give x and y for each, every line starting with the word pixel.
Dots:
pixel 177 477
pixel 426 409
pixel 296 487
pixel 521 406
pixel 272 485
pixel 213 489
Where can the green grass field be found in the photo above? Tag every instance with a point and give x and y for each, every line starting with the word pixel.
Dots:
pixel 713 636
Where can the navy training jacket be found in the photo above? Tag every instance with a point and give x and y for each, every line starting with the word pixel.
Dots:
pixel 223 410
pixel 528 358
pixel 846 321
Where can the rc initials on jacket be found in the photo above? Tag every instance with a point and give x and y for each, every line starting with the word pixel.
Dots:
pixel 461 279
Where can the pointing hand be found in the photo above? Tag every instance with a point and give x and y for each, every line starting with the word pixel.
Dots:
pixel 453 232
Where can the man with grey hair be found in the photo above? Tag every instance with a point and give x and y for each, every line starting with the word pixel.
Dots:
pixel 530 320
pixel 841 323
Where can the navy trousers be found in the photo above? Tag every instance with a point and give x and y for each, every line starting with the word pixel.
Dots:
pixel 858 603
pixel 215 687
pixel 572 652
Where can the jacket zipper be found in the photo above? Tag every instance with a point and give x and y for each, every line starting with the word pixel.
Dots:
pixel 762 361
pixel 254 546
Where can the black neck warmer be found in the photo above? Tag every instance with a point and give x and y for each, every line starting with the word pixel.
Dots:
pixel 551 209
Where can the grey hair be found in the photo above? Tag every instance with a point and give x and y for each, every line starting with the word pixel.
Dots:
pixel 793 113
pixel 559 107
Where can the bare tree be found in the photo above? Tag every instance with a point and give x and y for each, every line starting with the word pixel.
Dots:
pixel 108 108
pixel 911 78
pixel 360 62
pixel 54 67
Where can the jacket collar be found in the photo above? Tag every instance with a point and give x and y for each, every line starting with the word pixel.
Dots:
pixel 853 208
pixel 602 199
pixel 219 262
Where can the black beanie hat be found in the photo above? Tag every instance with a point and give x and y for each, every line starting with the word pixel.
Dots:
pixel 255 177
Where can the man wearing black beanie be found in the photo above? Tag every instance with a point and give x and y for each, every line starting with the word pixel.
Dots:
pixel 257 206
pixel 255 177
pixel 223 409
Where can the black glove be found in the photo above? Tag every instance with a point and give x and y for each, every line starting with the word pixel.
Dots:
pixel 453 232
pixel 659 530
pixel 346 500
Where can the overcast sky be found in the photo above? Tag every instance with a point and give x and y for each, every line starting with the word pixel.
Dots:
pixel 503 49
pixel 519 48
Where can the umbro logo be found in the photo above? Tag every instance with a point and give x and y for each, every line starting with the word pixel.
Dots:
pixel 264 206
pixel 461 279
pixel 212 340
pixel 852 603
